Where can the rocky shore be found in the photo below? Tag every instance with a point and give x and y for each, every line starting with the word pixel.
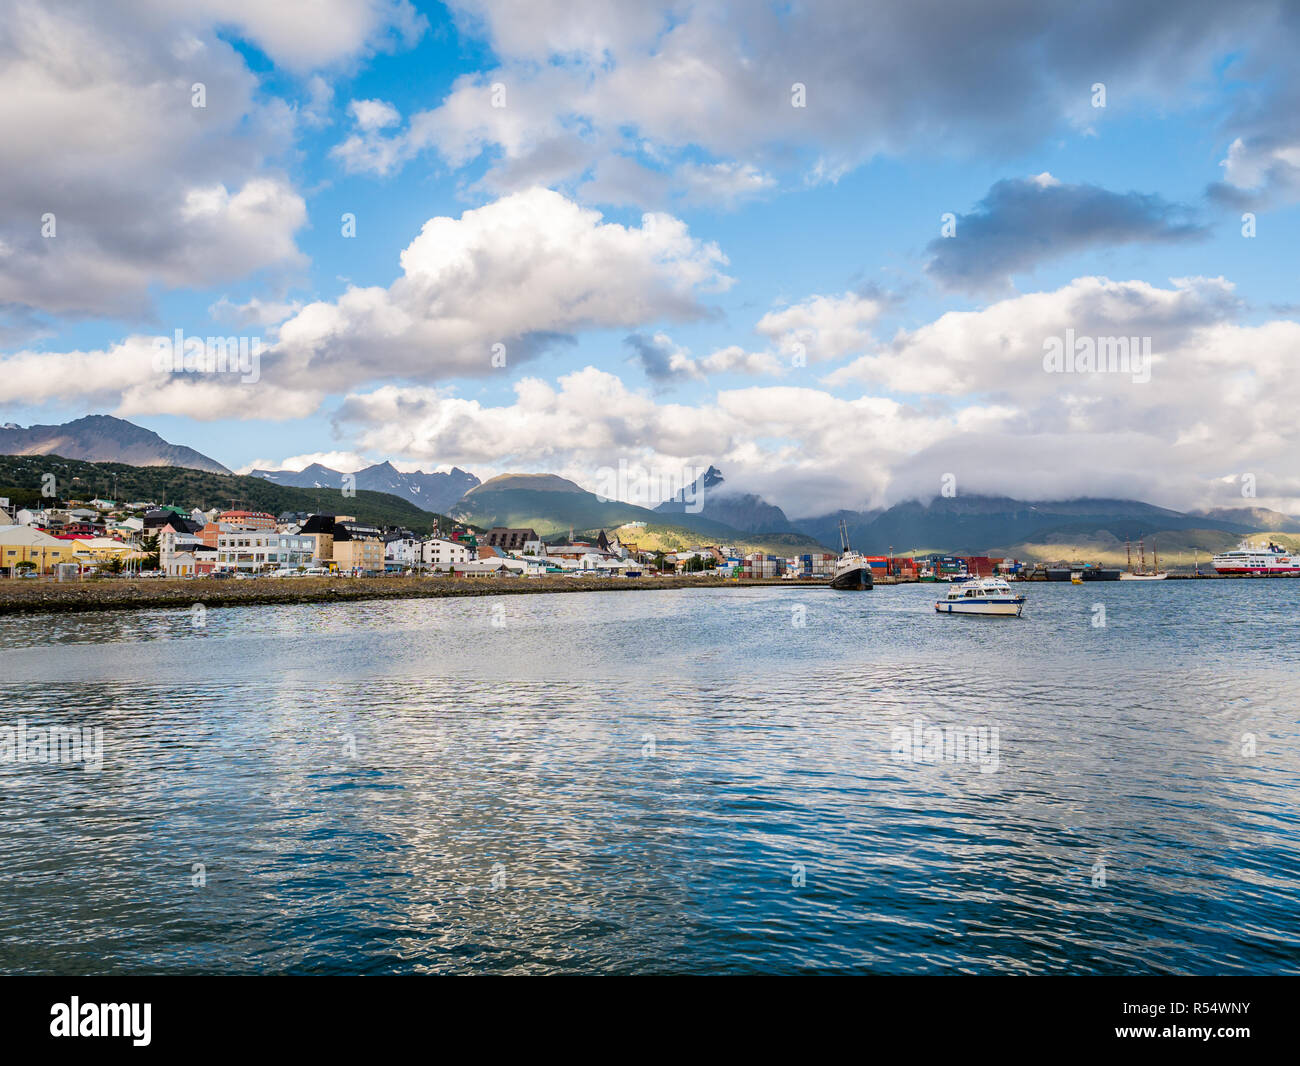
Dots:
pixel 33 596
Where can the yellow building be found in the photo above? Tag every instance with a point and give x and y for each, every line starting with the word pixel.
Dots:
pixel 95 551
pixel 361 554
pixel 27 544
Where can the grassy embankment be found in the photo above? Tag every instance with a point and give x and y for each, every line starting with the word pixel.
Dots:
pixel 32 596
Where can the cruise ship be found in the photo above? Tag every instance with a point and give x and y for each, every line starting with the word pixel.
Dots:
pixel 1272 561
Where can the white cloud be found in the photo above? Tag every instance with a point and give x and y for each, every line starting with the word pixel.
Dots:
pixel 520 272
pixel 253 312
pixel 1263 166
pixel 507 279
pixel 822 327
pixel 1000 349
pixel 1218 404
pixel 305 34
pixel 374 114
pixel 114 181
pixel 345 462
pixel 675 80
pixel 736 360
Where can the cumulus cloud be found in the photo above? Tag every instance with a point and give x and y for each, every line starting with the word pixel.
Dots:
pixel 116 182
pixel 302 34
pixel 822 328
pixel 253 312
pixel 488 290
pixel 1217 405
pixel 521 272
pixel 590 418
pixel 1026 221
pixel 659 83
pixel 736 360
pixel 1259 173
pixel 374 114
pixel 999 349
pixel 661 359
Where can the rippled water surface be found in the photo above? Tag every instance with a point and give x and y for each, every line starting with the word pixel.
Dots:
pixel 701 781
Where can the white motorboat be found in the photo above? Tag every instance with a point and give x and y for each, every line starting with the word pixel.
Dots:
pixel 986 595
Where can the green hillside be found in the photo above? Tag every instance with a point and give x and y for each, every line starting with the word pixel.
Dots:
pixel 1177 548
pixel 555 506
pixel 657 536
pixel 21 480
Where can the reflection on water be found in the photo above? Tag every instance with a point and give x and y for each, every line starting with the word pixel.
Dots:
pixel 666 781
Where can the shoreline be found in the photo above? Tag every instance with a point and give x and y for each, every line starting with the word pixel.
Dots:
pixel 31 597
pixel 19 596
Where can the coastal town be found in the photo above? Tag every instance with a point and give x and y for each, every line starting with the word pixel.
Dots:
pixel 101 537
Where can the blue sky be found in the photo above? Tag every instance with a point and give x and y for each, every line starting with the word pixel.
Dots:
pixel 789 311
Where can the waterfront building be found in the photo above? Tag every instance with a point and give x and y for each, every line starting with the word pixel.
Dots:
pixel 27 544
pixel 402 551
pixel 358 548
pixel 439 554
pixel 237 520
pixel 254 550
pixel 95 551
pixel 513 539
pixel 320 528
pixel 173 542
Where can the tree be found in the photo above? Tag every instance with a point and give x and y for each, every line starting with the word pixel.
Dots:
pixel 149 545
pixel 114 563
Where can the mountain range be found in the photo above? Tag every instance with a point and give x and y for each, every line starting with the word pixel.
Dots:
pixel 436 492
pixel 552 505
pixel 743 511
pixel 103 439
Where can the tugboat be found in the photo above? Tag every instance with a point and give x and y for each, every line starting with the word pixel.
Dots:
pixel 987 596
pixel 852 572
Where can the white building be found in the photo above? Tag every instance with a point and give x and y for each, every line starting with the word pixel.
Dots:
pixel 405 552
pixel 519 565
pixel 263 549
pixel 444 554
pixel 494 567
pixel 171 546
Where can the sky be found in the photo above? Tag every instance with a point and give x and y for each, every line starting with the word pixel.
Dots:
pixel 832 248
